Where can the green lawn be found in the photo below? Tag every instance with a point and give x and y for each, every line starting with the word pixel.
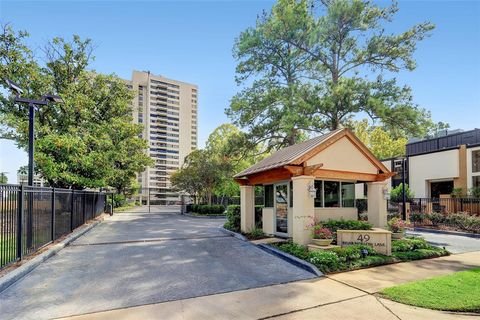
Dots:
pixel 459 291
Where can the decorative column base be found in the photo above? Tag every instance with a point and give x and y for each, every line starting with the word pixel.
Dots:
pixel 247 208
pixel 377 204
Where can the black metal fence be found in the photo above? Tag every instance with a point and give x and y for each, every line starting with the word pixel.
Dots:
pixel 32 217
pixel 437 205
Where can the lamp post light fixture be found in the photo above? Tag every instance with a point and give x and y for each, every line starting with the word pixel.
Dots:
pixel 402 168
pixel 32 104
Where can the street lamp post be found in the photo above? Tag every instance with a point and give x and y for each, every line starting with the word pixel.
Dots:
pixel 32 103
pixel 404 195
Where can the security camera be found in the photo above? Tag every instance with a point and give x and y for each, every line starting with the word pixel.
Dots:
pixel 14 87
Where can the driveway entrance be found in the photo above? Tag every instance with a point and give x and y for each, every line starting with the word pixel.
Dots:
pixel 139 258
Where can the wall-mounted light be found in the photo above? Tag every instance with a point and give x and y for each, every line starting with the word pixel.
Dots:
pixel 311 190
pixel 386 194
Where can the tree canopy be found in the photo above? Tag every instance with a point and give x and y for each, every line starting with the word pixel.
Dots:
pixel 379 141
pixel 311 67
pixel 210 171
pixel 89 140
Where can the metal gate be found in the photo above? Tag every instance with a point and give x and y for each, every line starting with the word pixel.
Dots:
pixel 155 200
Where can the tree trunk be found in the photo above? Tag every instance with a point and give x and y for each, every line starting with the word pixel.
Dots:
pixel 209 194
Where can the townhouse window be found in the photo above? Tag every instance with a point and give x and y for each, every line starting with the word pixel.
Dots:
pixel 476 161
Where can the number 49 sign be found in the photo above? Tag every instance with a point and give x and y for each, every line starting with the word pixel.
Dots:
pixel 379 239
pixel 363 238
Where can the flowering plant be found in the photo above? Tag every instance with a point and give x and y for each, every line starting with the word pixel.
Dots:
pixel 319 232
pixel 396 225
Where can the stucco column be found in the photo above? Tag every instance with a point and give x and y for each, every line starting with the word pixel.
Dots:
pixel 303 209
pixel 247 208
pixel 377 204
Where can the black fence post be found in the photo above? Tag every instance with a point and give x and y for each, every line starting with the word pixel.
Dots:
pixel 20 223
pixel 84 207
pixel 71 209
pixel 113 202
pixel 461 204
pixel 53 214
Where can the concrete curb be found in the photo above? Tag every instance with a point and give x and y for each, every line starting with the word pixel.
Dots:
pixel 233 234
pixel 204 216
pixel 20 272
pixel 292 259
pixel 453 233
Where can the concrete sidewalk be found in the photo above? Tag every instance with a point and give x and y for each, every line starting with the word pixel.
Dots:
pixel 348 295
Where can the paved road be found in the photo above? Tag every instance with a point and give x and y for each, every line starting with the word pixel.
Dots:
pixel 136 258
pixel 453 243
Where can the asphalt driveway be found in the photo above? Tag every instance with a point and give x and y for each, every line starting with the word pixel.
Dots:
pixel 134 259
pixel 455 243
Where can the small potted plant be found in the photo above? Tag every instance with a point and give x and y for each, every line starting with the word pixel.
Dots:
pixel 397 226
pixel 321 236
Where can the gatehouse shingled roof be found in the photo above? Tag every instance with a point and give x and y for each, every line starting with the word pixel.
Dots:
pixel 287 155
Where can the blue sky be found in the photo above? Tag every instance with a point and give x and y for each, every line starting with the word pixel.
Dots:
pixel 192 41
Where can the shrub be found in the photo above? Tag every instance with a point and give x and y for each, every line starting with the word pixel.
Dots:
pixel 396 194
pixel 294 249
pixel 458 193
pixel 409 244
pixel 436 218
pixel 325 261
pixel 370 261
pixel 215 209
pixel 475 192
pixel 417 217
pixel 353 252
pixel 119 200
pixel 255 234
pixel 233 218
pixel 396 225
pixel 391 215
pixel 464 221
pixel 342 224
pixel 420 254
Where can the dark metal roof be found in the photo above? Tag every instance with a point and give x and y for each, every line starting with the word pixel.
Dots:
pixel 447 142
pixel 286 155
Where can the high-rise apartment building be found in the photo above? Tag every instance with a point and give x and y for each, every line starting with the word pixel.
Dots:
pixel 167 109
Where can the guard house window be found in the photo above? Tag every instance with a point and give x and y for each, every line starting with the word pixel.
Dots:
pixel 268 194
pixel 348 194
pixel 319 197
pixel 334 194
pixel 331 194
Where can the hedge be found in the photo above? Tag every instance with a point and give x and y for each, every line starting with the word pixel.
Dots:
pixel 205 209
pixel 233 217
pixel 350 257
